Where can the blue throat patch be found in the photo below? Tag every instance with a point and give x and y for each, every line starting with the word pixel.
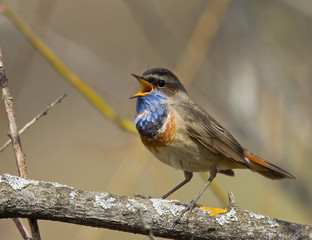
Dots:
pixel 151 113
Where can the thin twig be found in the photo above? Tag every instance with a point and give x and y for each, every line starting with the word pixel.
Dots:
pixel 8 104
pixel 34 228
pixel 22 229
pixel 20 160
pixel 27 125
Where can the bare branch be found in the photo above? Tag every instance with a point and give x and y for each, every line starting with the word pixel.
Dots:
pixel 27 125
pixel 17 147
pixel 22 229
pixel 53 201
pixel 8 104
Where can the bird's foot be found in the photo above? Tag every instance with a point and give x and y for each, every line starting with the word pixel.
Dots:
pixel 187 209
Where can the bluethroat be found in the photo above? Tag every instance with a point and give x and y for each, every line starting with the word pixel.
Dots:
pixel 183 135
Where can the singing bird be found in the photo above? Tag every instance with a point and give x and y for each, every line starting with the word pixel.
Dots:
pixel 183 135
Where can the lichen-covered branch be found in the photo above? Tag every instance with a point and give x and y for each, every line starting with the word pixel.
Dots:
pixel 52 201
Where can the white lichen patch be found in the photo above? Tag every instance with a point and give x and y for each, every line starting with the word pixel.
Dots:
pixel 130 207
pixel 18 183
pixel 136 203
pixel 73 194
pixel 105 202
pixel 208 211
pixel 256 215
pixel 227 218
pixel 163 206
pixel 55 184
pixel 310 234
pixel 273 223
pixel 133 205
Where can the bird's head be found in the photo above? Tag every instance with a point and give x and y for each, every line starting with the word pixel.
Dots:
pixel 160 80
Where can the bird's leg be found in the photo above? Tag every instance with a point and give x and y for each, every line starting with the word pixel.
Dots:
pixel 192 204
pixel 188 176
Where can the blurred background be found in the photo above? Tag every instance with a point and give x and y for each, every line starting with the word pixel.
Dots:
pixel 248 63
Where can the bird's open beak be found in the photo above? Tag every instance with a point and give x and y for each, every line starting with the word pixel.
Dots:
pixel 146 87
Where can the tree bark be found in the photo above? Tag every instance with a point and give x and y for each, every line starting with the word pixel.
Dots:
pixel 136 214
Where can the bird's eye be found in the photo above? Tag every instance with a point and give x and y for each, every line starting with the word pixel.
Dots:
pixel 161 83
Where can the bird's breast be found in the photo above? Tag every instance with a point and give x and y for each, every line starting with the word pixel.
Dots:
pixel 155 120
pixel 164 136
pixel 148 123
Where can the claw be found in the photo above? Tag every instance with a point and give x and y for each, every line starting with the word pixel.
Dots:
pixel 188 209
pixel 192 203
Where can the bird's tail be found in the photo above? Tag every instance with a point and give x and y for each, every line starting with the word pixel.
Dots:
pixel 266 169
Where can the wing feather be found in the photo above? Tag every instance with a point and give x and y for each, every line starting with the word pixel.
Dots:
pixel 207 131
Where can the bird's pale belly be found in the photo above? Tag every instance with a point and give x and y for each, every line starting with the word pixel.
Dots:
pixel 184 153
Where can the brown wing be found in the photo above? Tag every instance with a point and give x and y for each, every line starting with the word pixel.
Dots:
pixel 206 130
